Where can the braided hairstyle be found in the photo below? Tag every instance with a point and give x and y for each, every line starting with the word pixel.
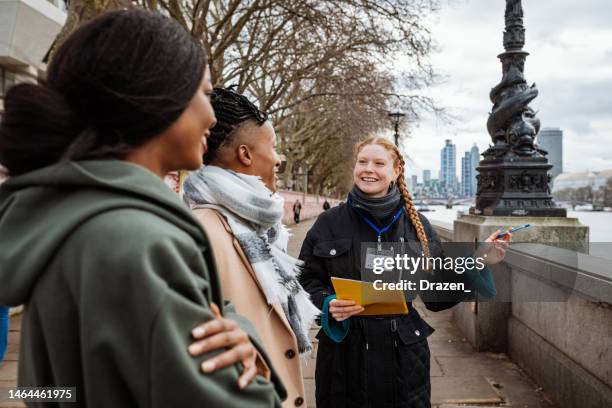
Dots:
pixel 232 111
pixel 398 162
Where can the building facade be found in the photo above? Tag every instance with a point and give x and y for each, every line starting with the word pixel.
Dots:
pixel 27 30
pixel 475 158
pixel 413 181
pixel 588 187
pixel 594 180
pixel 551 140
pixel 469 162
pixel 448 166
pixel 426 177
pixel 466 175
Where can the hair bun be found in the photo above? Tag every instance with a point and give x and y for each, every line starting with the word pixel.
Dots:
pixel 116 82
pixel 37 126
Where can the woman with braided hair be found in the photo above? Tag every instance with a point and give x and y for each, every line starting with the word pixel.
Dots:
pixel 376 361
pixel 234 197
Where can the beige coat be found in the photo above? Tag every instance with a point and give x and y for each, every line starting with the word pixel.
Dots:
pixel 241 286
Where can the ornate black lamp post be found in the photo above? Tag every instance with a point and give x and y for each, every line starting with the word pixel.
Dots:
pixel 396 118
pixel 513 176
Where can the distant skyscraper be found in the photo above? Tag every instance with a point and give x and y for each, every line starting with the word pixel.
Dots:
pixel 414 181
pixel 469 162
pixel 426 177
pixel 551 140
pixel 466 174
pixel 448 165
pixel 475 154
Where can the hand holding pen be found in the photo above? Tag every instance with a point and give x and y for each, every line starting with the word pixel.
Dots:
pixel 494 249
pixel 512 230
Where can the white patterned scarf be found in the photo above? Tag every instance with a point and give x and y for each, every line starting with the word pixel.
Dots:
pixel 254 214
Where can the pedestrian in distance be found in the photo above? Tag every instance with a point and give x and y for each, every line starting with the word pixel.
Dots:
pixel 122 295
pixel 297 209
pixel 234 196
pixel 374 361
pixel 326 205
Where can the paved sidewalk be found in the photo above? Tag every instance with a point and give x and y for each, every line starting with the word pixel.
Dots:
pixel 8 367
pixel 460 377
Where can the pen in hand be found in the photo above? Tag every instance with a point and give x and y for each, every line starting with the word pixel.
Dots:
pixel 512 230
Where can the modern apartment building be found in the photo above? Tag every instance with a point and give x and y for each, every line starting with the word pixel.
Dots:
pixel 448 165
pixel 551 140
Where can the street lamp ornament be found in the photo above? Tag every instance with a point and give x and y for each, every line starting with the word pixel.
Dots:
pixel 396 117
pixel 513 177
pixel 512 124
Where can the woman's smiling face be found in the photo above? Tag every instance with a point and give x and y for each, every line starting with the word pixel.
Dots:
pixel 375 170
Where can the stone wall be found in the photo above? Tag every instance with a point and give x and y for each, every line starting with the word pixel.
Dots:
pixel 564 343
pixel 564 340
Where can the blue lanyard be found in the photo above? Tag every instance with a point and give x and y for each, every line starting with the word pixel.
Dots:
pixel 381 231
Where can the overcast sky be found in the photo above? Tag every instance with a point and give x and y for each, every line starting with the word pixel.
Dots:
pixel 570 46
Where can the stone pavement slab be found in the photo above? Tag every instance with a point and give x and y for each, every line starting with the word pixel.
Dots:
pixel 463 390
pixel 449 347
pixel 474 365
pixel 298 233
pixel 8 371
pixel 435 369
pixel 8 367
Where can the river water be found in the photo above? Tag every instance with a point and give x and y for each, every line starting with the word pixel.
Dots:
pixel 600 223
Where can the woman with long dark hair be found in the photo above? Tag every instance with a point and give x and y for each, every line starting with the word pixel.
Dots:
pixel 115 272
pixel 377 360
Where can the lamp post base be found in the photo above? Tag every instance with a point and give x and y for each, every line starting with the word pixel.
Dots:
pixel 514 186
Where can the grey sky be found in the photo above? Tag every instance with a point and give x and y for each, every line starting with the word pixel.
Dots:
pixel 570 43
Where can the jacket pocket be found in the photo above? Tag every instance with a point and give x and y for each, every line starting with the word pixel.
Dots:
pixel 333 249
pixel 336 256
pixel 412 330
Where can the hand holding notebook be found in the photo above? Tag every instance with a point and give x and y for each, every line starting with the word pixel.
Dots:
pixel 375 302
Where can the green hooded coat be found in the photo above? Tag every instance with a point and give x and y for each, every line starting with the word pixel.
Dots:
pixel 115 273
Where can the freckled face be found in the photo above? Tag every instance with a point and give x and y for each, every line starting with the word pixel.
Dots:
pixel 374 170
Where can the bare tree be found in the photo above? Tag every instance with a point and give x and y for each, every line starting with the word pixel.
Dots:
pixel 79 12
pixel 324 69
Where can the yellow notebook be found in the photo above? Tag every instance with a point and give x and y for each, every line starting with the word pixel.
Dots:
pixel 375 302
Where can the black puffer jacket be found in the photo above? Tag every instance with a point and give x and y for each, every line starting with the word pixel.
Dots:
pixel 383 361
